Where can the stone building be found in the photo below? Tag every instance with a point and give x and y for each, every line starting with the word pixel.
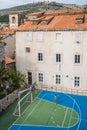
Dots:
pixel 2 54
pixel 8 51
pixel 15 19
pixel 51 49
pixel 8 36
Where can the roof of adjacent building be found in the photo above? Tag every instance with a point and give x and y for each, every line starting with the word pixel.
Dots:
pixel 64 12
pixel 7 31
pixel 8 60
pixel 61 20
pixel 36 13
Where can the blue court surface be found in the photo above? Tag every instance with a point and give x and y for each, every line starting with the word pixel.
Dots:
pixel 75 102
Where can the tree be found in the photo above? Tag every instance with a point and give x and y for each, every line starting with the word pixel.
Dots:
pixel 10 80
pixel 16 79
pixel 3 79
pixel 4 75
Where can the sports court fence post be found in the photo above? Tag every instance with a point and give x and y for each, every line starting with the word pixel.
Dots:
pixel 19 111
pixel 31 97
pixel 55 98
pixel 19 108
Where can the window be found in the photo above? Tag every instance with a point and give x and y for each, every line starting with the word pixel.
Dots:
pixel 28 49
pixel 58 79
pixel 29 36
pixel 40 36
pixel 40 77
pixel 79 20
pixel 78 37
pixel 76 81
pixel 77 58
pixel 44 22
pixel 58 37
pixel 40 56
pixel 58 57
pixel 35 22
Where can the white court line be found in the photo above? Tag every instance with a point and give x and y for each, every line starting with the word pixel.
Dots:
pixel 71 115
pixel 79 113
pixel 20 116
pixel 65 106
pixel 23 112
pixel 65 117
pixel 79 118
pixel 61 105
pixel 31 111
pixel 75 110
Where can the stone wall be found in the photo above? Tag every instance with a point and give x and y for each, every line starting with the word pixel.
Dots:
pixel 2 54
pixel 9 99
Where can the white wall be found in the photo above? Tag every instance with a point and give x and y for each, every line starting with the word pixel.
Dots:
pixel 49 46
pixel 84 67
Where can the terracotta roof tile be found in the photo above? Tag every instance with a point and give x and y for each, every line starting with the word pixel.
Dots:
pixel 7 31
pixel 59 12
pixel 59 22
pixel 80 16
pixel 8 60
pixel 37 19
pixel 47 18
pixel 36 13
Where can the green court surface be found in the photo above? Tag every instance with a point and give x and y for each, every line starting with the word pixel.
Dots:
pixel 45 113
pixel 6 116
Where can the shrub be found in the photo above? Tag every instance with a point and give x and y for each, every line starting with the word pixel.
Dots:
pixel 10 80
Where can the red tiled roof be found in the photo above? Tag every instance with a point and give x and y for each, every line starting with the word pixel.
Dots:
pixel 59 22
pixel 37 19
pixel 7 31
pixel 80 16
pixel 8 60
pixel 47 18
pixel 36 14
pixel 60 12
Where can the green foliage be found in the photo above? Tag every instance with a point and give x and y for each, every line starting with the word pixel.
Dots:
pixel 4 19
pixel 2 95
pixel 16 79
pixel 34 7
pixel 10 80
pixel 3 76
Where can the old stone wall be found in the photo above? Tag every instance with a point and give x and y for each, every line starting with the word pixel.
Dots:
pixel 2 54
pixel 9 99
pixel 5 102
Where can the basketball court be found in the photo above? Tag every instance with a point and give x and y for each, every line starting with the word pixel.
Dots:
pixel 68 112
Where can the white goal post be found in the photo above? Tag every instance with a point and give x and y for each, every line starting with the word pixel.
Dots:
pixel 23 97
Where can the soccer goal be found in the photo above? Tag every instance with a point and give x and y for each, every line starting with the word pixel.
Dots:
pixel 25 97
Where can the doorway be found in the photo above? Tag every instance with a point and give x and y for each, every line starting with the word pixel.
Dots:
pixel 29 78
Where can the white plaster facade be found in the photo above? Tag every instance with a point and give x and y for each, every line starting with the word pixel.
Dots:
pixel 68 44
